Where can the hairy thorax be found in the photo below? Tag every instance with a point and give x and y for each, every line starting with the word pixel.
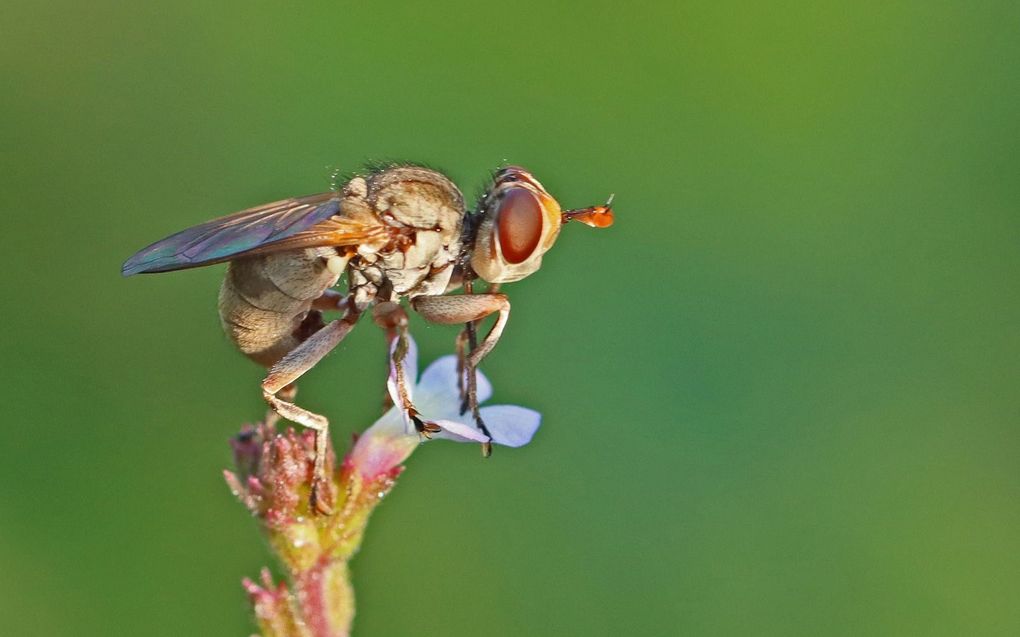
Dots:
pixel 425 212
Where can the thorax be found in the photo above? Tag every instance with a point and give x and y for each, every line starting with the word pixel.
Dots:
pixel 426 214
pixel 420 263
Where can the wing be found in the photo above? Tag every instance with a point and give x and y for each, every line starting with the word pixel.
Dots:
pixel 300 222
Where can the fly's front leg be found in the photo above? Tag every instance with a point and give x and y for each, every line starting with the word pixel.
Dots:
pixel 468 308
pixel 467 379
pixel 289 369
pixel 465 342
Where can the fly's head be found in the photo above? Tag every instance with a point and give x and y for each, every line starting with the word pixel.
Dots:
pixel 518 221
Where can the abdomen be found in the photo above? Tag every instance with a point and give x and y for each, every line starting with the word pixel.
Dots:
pixel 265 301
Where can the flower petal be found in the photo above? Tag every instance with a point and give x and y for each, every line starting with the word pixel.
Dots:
pixel 440 380
pixel 384 445
pixel 458 431
pixel 511 425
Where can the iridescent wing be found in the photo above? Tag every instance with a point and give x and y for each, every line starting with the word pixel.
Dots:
pixel 301 222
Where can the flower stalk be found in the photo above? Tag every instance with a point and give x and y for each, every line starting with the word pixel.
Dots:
pixel 274 474
pixel 273 479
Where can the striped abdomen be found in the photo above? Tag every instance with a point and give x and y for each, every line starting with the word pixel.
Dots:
pixel 265 301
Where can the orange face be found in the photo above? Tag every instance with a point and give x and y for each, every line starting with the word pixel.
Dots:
pixel 520 222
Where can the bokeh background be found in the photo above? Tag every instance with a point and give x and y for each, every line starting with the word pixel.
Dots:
pixel 780 395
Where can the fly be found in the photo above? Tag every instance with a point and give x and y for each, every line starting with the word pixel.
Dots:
pixel 396 232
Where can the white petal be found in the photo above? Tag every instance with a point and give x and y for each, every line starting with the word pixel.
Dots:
pixel 383 446
pixel 409 366
pixel 439 381
pixel 458 431
pixel 437 389
pixel 389 424
pixel 511 425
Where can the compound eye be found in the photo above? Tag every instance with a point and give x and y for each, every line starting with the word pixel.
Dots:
pixel 519 224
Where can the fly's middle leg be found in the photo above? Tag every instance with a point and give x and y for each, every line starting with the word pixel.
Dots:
pixel 391 317
pixel 283 374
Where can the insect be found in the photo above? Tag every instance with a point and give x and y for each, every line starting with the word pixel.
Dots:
pixel 397 231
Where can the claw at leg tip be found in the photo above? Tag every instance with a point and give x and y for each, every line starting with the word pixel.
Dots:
pixel 317 504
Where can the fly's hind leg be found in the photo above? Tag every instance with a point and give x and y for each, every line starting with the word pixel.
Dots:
pixel 468 308
pixel 277 388
pixel 288 394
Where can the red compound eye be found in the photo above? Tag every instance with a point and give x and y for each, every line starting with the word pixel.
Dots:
pixel 519 223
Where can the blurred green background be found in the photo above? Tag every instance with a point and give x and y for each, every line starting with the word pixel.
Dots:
pixel 780 395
